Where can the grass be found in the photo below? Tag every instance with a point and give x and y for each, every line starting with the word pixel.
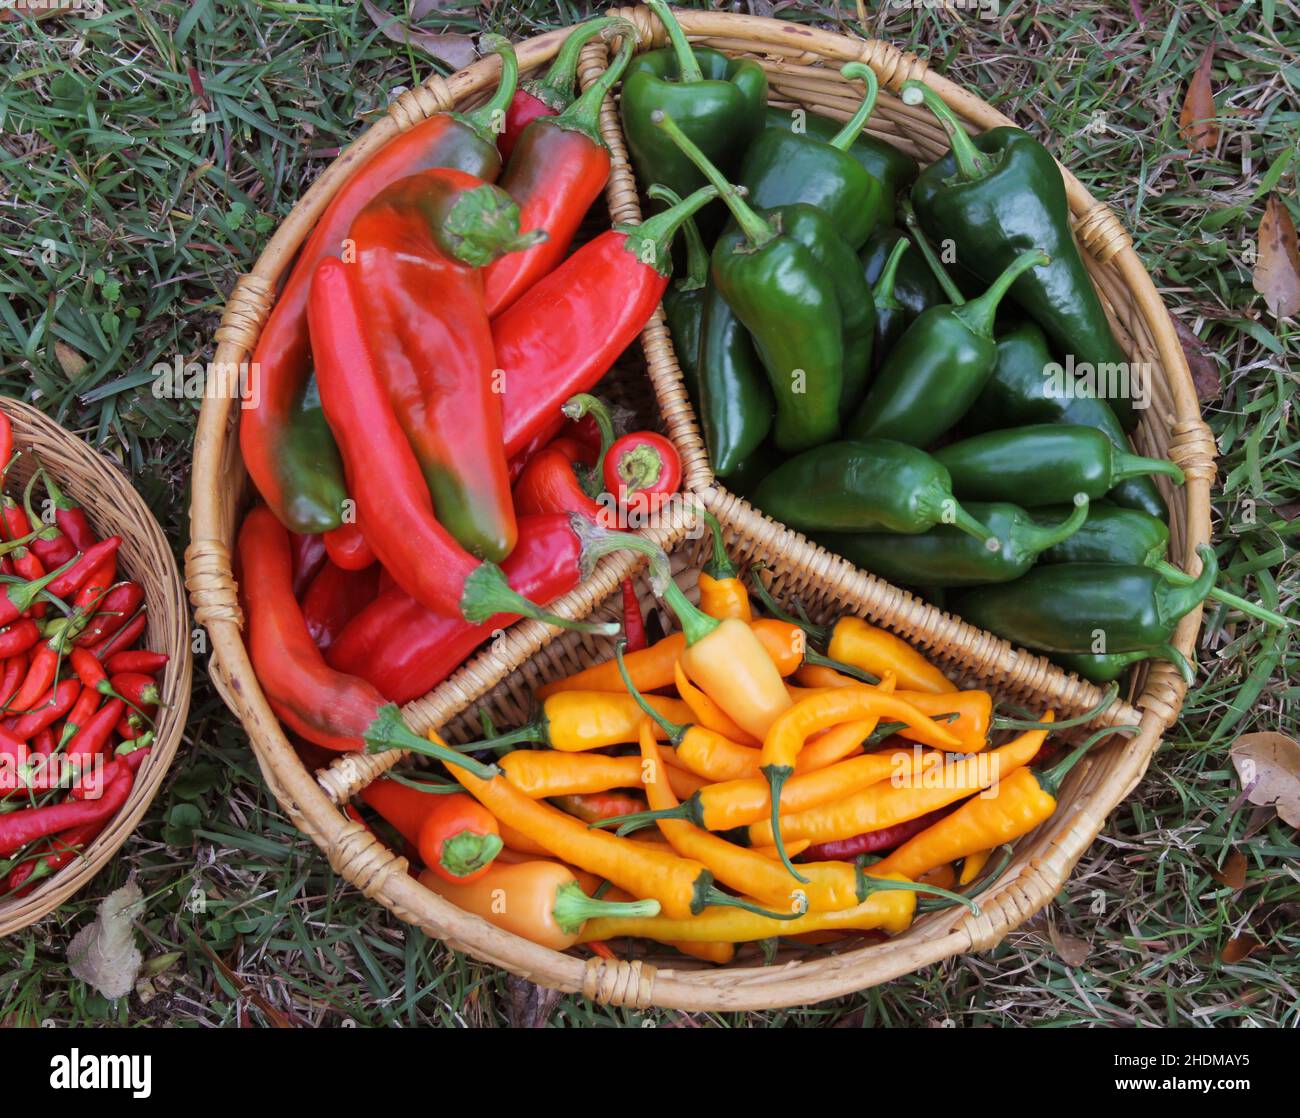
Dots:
pixel 148 152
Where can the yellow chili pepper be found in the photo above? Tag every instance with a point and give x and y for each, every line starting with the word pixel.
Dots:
pixel 855 642
pixel 926 788
pixel 730 665
pixel 542 773
pixel 722 593
pixel 574 721
pixel 651 669
pixel 707 713
pixel 973 863
pixel 702 949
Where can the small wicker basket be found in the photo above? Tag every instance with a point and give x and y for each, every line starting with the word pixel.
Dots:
pixel 802 65
pixel 114 508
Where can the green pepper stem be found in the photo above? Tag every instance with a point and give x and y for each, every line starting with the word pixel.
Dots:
pixel 777 775
pixel 1174 600
pixel 64 504
pixel 1038 538
pixel 990 873
pixel 979 314
pixel 940 273
pixel 480 225
pixel 972 527
pixel 534 732
pixel 1112 693
pixel 389 731
pixel 635 820
pixel 883 293
pixel 674 731
pixel 696 624
pixel 584 114
pixel 756 229
pixel 468 851
pixel 487 593
pixel 573 908
pixel 812 656
pixel 575 407
pixel 1249 608
pixel 651 241
pixel 21 541
pixel 820 633
pixel 48 531
pixel 868 885
pixel 1051 779
pixel 719 565
pixel 972 164
pixel 22 594
pixel 1125 465
pixel 555 90
pixel 843 139
pixel 688 66
pixel 697 256
pixel 715 896
pixel 486 119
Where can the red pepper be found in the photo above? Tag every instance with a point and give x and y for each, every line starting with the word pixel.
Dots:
pixel 141 660
pixel 19 828
pixel 555 174
pixel 71 579
pixel 61 849
pixel 347 547
pixel 96 781
pixel 88 667
pixel 334 599
pixel 14 521
pixel 283 355
pixel 338 711
pixel 18 637
pixel 405 649
pixel 552 93
pixel 137 690
pixel 94 738
pixel 115 610
pixel 44 743
pixel 871 842
pixel 40 674
pixel 71 518
pixel 419 249
pixel 456 836
pixel 6 440
pixel 50 707
pixel 642 470
pixel 96 585
pixel 85 706
pixel 125 637
pixel 27 566
pixel 565 332
pixel 309 556
pixel 19 597
pixel 633 621
pixel 550 483
pixel 15 669
pixel 383 474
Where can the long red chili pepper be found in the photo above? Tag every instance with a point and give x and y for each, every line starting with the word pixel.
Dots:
pixel 557 171
pixel 19 828
pixel 94 738
pixel 115 609
pixel 420 246
pixel 63 848
pixel 553 92
pixel 283 355
pixel 70 517
pixel 15 669
pixel 87 703
pixel 633 621
pixel 564 333
pixel 96 585
pixel 68 581
pixel 347 547
pixel 6 440
pixel 52 547
pixel 49 708
pixel 330 708
pixel 125 637
pixel 96 780
pixel 405 649
pixel 40 674
pixel 871 842
pixel 140 660
pixel 333 599
pixel 18 637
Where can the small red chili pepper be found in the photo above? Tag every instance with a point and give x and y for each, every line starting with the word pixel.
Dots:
pixel 87 703
pixel 18 637
pixel 49 708
pixel 15 669
pixel 642 470
pixel 88 667
pixel 69 581
pixel 93 739
pixel 335 598
pixel 346 547
pixel 40 675
pixel 19 828
pixel 309 556
pixel 6 440
pixel 96 586
pixel 19 597
pixel 97 780
pixel 135 689
pixel 71 518
pixel 633 621
pixel 115 609
pixel 140 660
pixel 456 836
pixel 52 546
pixel 870 842
pixel 125 637
pixel 44 743
pixel 27 566
pixel 62 849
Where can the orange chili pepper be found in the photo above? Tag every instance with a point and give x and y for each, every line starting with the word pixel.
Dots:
pixel 542 773
pixel 722 593
pixel 651 669
pixel 855 642
pixel 575 721
pixel 707 713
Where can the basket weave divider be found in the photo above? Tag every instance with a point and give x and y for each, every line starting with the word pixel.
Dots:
pixel 802 64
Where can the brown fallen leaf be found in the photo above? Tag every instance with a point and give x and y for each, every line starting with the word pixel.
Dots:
pixel 1288 511
pixel 1268 764
pixel 1196 121
pixel 1239 947
pixel 530 1005
pixel 1205 372
pixel 1277 269
pixel 1233 874
pixel 70 361
pixel 456 50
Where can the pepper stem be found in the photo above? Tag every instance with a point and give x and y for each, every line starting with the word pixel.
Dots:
pixel 467 852
pixel 756 229
pixel 47 531
pixel 487 593
pixel 1174 600
pixel 651 241
pixel 816 632
pixel 940 273
pixel 24 594
pixel 972 527
pixel 488 119
pixel 635 820
pixel 21 541
pixel 573 908
pixel 1050 780
pixel 389 731
pixel 575 407
pixel 482 225
pixel 971 163
pixel 1125 465
pixel 674 731
pixel 533 733
pixel 1249 608
pixel 715 896
pixel 1050 723
pixel 868 885
pixel 688 66
pixel 843 139
pixel 777 775
pixel 883 293
pixel 978 314
pixel 65 504
pixel 697 255
pixel 812 656
pixel 719 565
pixel 1038 538
pixel 555 89
pixel 584 114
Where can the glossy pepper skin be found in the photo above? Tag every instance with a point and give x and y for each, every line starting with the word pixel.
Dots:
pixel 281 438
pixel 938 367
pixel 1077 607
pixel 1046 464
pixel 1110 535
pixel 736 404
pixel 558 169
pixel 997 195
pixel 783 167
pixel 563 334
pixel 893 168
pixel 420 248
pixel 914 285
pixel 891 316
pixel 1018 392
pixel 861 486
pixel 683 302
pixel 946 556
pixel 719 102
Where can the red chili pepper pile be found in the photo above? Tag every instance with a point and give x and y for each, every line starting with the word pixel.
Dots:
pixel 77 700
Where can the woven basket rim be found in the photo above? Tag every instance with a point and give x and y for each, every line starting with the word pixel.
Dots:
pixel 169 630
pixel 349 847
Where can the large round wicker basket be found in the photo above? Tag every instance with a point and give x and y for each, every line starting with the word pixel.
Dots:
pixel 114 508
pixel 802 65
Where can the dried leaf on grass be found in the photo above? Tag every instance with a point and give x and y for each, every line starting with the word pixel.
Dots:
pixel 1205 372
pixel 1277 268
pixel 1268 764
pixel 1239 947
pixel 1196 121
pixel 1233 874
pixel 70 361
pixel 531 1005
pixel 1073 951
pixel 104 953
pixel 454 49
